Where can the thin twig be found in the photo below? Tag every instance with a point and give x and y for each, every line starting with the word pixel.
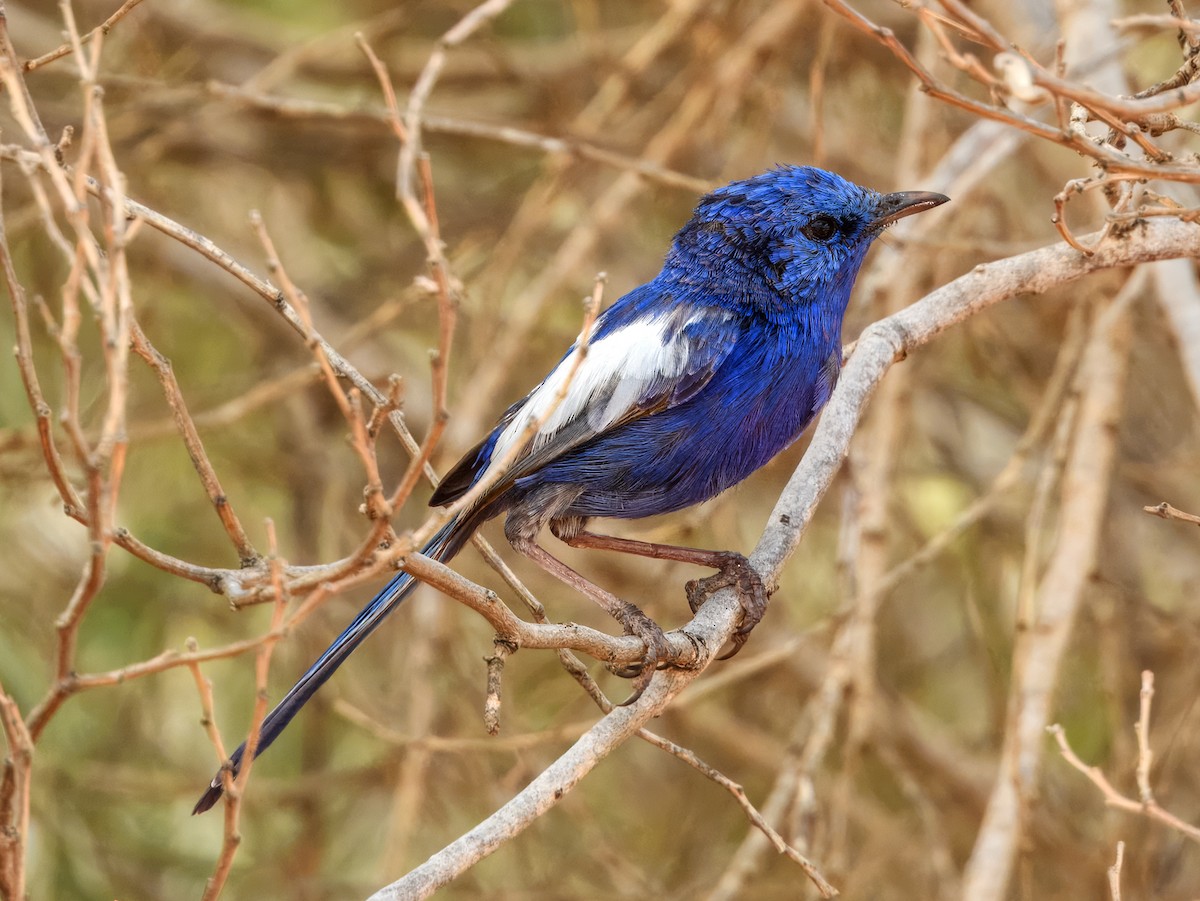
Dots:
pixel 71 46
pixel 1166 511
pixel 782 846
pixel 1114 873
pixel 564 147
pixel 190 435
pixel 1114 798
pixel 1142 729
pixel 14 812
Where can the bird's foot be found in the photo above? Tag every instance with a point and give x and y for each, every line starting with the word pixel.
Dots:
pixel 639 625
pixel 735 572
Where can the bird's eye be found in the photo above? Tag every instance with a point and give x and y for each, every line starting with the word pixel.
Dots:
pixel 821 228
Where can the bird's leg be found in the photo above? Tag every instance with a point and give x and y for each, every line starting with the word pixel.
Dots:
pixel 631 618
pixel 733 570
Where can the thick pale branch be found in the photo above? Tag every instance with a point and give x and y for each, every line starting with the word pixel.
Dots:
pixel 1040 649
pixel 880 345
pixel 891 339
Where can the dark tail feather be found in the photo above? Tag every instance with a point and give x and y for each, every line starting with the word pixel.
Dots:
pixel 444 545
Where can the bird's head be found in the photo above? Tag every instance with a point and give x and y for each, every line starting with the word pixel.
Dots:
pixel 800 230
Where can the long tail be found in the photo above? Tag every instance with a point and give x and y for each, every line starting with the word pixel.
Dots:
pixel 444 545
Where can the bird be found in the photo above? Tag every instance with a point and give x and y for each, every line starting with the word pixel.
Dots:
pixel 684 387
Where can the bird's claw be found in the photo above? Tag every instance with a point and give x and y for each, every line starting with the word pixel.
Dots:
pixel 639 625
pixel 735 572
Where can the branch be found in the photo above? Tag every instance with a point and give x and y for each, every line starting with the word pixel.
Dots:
pixel 15 798
pixel 891 339
pixel 1114 798
pixel 1040 649
pixel 881 344
pixel 1166 511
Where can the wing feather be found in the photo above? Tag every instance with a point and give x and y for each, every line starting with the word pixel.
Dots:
pixel 630 370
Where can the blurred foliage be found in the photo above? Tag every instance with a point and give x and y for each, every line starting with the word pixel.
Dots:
pixel 328 814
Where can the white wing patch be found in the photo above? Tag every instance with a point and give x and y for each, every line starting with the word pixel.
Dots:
pixel 625 368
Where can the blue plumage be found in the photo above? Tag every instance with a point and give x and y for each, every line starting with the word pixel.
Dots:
pixel 689 384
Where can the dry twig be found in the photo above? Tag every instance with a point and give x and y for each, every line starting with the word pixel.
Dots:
pixel 1146 805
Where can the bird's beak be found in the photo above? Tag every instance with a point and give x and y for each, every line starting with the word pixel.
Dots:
pixel 905 203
